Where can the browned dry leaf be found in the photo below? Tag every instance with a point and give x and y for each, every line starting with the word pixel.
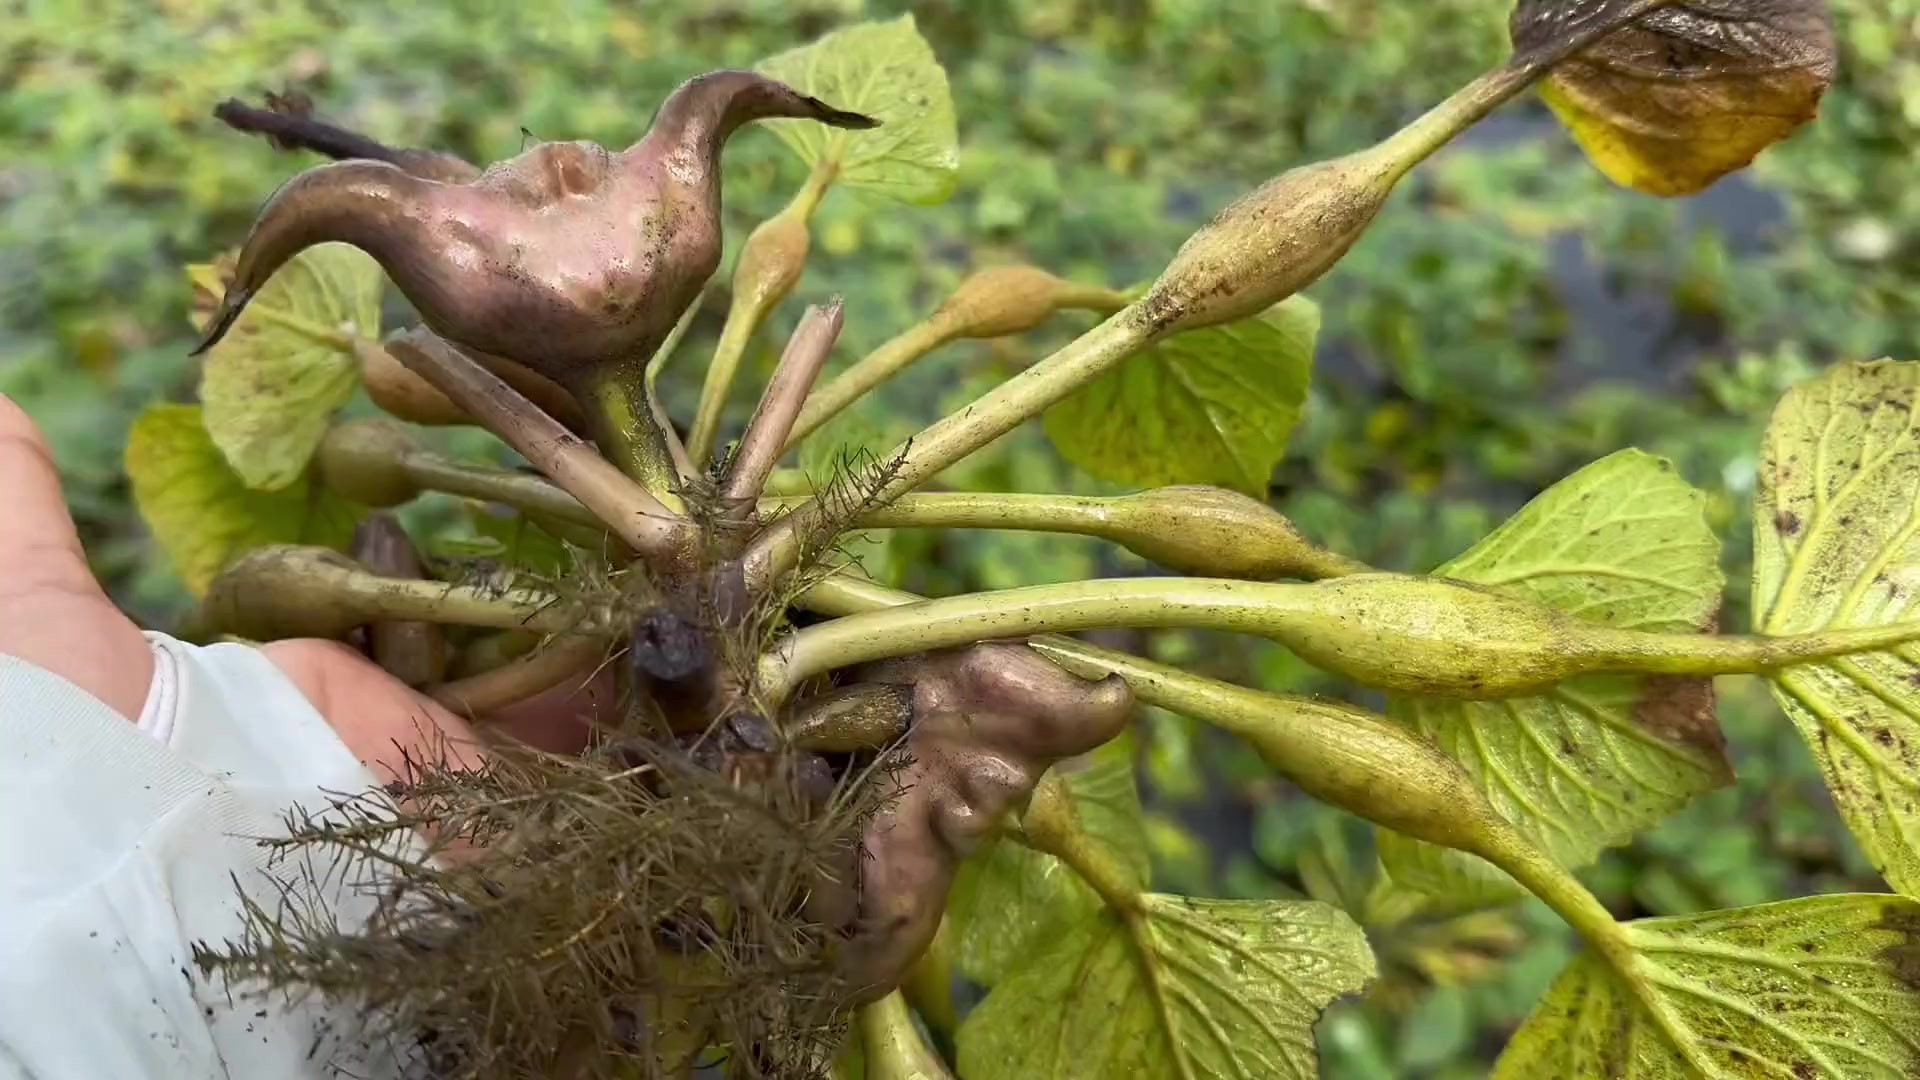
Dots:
pixel 1692 92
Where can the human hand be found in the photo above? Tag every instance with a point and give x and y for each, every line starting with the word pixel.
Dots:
pixel 54 614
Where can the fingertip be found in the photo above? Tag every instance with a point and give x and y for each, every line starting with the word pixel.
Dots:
pixel 39 544
pixel 16 424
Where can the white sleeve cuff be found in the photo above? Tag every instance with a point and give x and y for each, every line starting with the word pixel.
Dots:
pixel 163 694
pixel 122 847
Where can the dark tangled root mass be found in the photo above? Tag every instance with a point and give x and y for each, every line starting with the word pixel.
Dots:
pixel 607 915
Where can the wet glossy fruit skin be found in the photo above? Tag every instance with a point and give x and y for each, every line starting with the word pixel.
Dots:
pixel 565 258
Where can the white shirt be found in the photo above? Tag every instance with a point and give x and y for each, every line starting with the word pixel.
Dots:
pixel 120 845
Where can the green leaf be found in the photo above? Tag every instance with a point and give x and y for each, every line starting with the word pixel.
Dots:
pixel 1177 988
pixel 1823 986
pixel 1210 406
pixel 1009 901
pixel 520 543
pixel 203 514
pixel 1836 538
pixel 1688 94
pixel 272 384
pixel 1587 765
pixel 887 71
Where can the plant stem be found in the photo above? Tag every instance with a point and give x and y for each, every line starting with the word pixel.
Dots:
pixel 658 361
pixel 1050 825
pixel 846 593
pixel 530 673
pixel 742 321
pixel 756 289
pixel 893 1046
pixel 928 986
pixel 991 303
pixel 435 601
pixel 1000 410
pixel 1738 654
pixel 628 509
pixel 1177 527
pixel 1085 515
pixel 1471 103
pixel 676 449
pixel 805 201
pixel 545 394
pixel 1020 398
pixel 894 356
pixel 628 432
pixel 1286 612
pixel 283 591
pixel 522 491
pixel 959 434
pixel 1540 875
pixel 766 433
pixel 962 620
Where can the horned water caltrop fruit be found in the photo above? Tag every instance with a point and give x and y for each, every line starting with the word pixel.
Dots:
pixel 987 721
pixel 868 753
pixel 565 258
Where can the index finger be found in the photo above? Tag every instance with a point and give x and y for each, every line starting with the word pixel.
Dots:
pixel 52 612
pixel 39 545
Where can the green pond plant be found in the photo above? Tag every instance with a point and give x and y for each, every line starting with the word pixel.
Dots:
pixel 812 801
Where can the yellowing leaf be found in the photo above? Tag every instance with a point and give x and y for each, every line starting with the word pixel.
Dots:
pixel 200 511
pixel 1178 987
pixel 272 384
pixel 1690 93
pixel 1210 406
pixel 1009 901
pixel 1597 759
pixel 887 71
pixel 1836 537
pixel 1821 988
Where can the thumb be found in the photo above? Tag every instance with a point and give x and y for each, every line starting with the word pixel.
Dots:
pixel 52 611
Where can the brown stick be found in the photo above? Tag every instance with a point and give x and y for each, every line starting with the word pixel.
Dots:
pixel 653 531
pixel 766 434
pixel 548 395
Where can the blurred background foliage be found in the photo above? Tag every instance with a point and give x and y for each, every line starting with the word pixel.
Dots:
pixel 1510 317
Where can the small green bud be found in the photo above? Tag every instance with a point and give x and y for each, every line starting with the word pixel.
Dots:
pixel 771 261
pixel 1422 635
pixel 1213 532
pixel 364 462
pixel 1012 300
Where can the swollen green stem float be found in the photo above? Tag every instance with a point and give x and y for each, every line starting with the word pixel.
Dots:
pixel 1392 631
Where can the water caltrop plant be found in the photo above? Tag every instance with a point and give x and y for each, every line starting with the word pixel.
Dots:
pixel 812 801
